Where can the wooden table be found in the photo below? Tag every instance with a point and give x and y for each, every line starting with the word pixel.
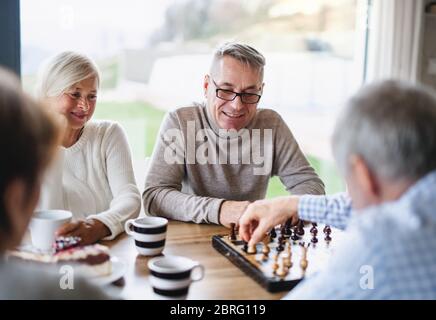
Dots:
pixel 222 279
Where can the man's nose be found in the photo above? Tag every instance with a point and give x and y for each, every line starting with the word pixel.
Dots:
pixel 237 103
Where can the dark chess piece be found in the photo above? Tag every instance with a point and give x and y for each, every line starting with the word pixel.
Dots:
pixel 314 230
pixel 245 247
pixel 288 230
pixel 282 231
pixel 232 235
pixel 280 247
pixel 273 233
pixel 327 231
pixel 300 228
pixel 295 236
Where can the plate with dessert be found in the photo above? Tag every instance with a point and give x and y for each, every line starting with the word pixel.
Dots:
pixel 93 262
pixel 118 269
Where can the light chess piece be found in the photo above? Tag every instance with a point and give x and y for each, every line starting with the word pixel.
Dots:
pixel 251 249
pixel 282 271
pixel 275 264
pixel 265 249
pixel 304 263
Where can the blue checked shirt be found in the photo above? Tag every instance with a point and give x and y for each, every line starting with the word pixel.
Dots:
pixel 389 251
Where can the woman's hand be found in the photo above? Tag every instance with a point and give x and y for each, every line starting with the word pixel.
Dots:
pixel 263 215
pixel 90 231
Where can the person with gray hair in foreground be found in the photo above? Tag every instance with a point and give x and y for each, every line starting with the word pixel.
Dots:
pixel 385 145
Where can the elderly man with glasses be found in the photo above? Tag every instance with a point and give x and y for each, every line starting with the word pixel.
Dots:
pixel 211 160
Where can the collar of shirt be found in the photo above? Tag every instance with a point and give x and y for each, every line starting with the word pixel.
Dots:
pixel 415 207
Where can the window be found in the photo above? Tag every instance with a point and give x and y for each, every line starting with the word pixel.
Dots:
pixel 153 56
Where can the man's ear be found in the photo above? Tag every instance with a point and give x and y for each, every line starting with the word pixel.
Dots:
pixel 206 84
pixel 365 177
pixel 261 88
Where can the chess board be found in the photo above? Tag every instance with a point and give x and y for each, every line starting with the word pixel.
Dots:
pixel 261 269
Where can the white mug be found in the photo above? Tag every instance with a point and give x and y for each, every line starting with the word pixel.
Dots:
pixel 171 276
pixel 149 234
pixel 43 226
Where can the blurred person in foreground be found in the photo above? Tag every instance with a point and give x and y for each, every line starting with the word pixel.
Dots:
pixel 28 138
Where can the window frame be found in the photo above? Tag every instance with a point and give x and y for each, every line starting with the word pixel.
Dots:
pixel 10 35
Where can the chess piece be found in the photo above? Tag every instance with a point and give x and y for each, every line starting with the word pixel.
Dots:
pixel 314 232
pixel 280 246
pixel 232 235
pixel 288 247
pixel 295 236
pixel 273 234
pixel 288 230
pixel 288 256
pixel 327 231
pixel 275 264
pixel 282 230
pixel 303 262
pixel 265 241
pixel 265 249
pixel 287 261
pixel 245 247
pixel 251 249
pixel 264 257
pixel 282 271
pixel 300 228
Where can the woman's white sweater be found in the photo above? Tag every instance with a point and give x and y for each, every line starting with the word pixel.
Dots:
pixel 94 178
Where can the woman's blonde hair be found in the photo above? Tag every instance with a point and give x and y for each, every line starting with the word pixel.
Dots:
pixel 62 71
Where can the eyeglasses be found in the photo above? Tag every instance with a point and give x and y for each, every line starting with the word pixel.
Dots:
pixel 228 95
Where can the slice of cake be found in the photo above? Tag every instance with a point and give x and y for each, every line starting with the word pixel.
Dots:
pixel 91 261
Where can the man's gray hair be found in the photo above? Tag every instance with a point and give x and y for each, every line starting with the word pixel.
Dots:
pixel 241 52
pixel 392 126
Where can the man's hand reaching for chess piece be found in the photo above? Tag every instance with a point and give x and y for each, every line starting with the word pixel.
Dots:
pixel 263 215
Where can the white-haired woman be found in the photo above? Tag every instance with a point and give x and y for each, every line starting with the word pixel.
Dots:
pixel 93 176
